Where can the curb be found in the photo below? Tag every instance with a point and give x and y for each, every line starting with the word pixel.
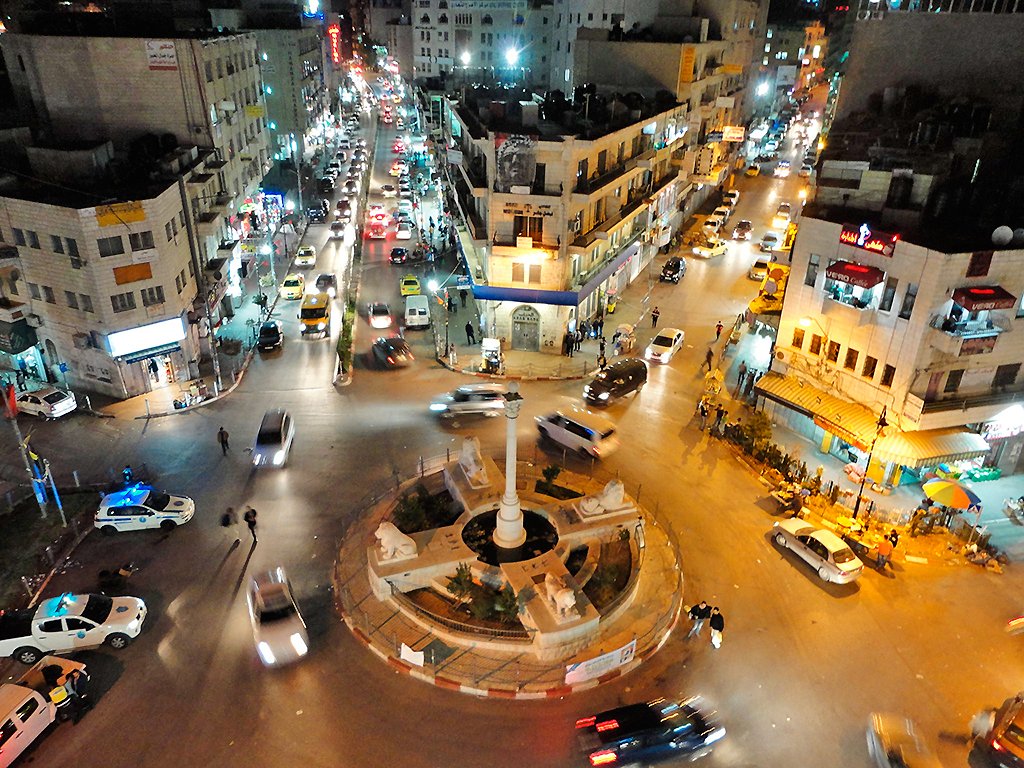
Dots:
pixel 508 377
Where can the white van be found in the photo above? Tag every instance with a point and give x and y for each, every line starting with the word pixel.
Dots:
pixel 417 312
pixel 580 430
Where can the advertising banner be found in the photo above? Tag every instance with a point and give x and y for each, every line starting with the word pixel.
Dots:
pixel 161 55
pixel 599 665
pixel 516 159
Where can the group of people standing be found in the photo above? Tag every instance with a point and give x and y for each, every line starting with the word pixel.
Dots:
pixel 701 613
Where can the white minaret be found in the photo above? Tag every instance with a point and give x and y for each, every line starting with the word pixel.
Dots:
pixel 509 532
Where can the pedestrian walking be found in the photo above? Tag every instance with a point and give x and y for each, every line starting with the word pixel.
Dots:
pixel 463 295
pixel 568 342
pixel 698 614
pixel 741 374
pixel 752 378
pixel 602 362
pixel 19 378
pixel 884 553
pixel 599 325
pixel 250 520
pixel 717 622
pixel 453 356
pixel 709 358
pixel 228 518
pixel 470 336
pixel 893 537
pixel 451 305
pixel 702 411
pixel 720 414
pixel 127 474
pixel 601 345
pixel 222 438
pixel 578 339
pixel 655 314
pixel 718 330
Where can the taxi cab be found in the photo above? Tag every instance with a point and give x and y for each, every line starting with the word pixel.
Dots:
pixel 410 285
pixel 139 507
pixel 306 257
pixel 293 287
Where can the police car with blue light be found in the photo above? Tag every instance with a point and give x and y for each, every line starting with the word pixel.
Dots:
pixel 139 507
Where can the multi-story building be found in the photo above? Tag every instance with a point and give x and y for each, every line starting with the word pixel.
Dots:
pixel 561 208
pixel 98 266
pixel 794 55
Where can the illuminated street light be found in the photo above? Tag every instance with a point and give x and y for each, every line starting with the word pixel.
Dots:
pixel 464 58
pixel 512 57
pixel 432 286
pixel 762 89
pixel 289 205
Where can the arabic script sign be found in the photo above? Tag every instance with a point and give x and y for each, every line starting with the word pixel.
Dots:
pixel 869 239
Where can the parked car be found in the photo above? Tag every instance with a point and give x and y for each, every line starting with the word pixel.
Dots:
pixel 641 734
pixel 46 402
pixel 617 380
pixel 271 336
pixel 783 215
pixel 388 190
pixel 139 507
pixel 713 224
pixel 894 742
pixel 277 626
pixel 409 285
pixel 674 269
pixel 403 231
pixel 731 197
pixel 769 242
pixel 486 399
pixel 754 169
pixel 392 352
pixel 399 255
pixel 829 555
pixel 723 212
pixel 665 345
pixel 743 231
pixel 759 269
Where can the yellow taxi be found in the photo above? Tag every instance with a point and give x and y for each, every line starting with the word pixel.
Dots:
pixel 293 287
pixel 410 285
pixel 306 257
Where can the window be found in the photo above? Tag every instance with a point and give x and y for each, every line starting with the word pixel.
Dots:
pixel 868 371
pixel 980 263
pixel 122 302
pixel 888 374
pixel 86 302
pixel 209 72
pixel 152 296
pixel 7 732
pixel 19 236
pixel 953 380
pixel 850 363
pixel 907 308
pixel 832 355
pixel 813 262
pixel 72 247
pixel 888 294
pixel 110 246
pixel 1006 375
pixel 815 348
pixel 48 295
pixel 33 290
pixel 798 338
pixel 71 299
pixel 26 710
pixel 33 239
pixel 141 240
pixel 56 244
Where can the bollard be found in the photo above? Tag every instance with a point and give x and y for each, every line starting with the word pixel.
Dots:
pixel 147 407
pixel 74 474
pixel 88 403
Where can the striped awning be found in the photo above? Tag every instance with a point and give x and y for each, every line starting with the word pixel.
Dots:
pixel 857 425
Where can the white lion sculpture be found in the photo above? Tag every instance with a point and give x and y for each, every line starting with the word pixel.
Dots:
pixel 561 597
pixel 393 543
pixel 611 499
pixel 472 462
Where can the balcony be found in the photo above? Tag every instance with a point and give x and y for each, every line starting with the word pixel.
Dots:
pixel 599 180
pixel 543 190
pixel 208 224
pixel 955 411
pixel 973 337
pixel 603 230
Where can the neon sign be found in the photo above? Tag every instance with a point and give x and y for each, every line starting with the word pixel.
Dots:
pixel 868 239
pixel 334 34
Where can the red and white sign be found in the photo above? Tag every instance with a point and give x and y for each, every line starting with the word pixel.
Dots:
pixel 734 133
pixel 868 239
pixel 334 35
pixel 161 55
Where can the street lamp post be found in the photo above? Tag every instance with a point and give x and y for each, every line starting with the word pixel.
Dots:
pixel 879 426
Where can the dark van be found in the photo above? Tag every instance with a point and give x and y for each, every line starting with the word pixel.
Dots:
pixel 617 380
pixel 674 269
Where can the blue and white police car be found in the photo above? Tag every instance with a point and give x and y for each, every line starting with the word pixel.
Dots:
pixel 139 506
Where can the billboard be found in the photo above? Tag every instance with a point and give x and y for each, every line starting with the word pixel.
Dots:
pixel 516 158
pixel 161 55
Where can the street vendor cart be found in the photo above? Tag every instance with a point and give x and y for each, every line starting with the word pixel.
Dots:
pixel 491 359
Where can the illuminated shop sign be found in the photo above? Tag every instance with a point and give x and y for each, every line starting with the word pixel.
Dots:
pixel 334 35
pixel 149 336
pixel 868 239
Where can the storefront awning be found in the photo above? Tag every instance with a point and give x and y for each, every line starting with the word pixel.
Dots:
pixel 930 447
pixel 855 274
pixel 984 297
pixel 145 354
pixel 16 336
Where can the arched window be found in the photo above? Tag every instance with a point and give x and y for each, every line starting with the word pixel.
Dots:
pixel 487 19
pixel 425 19
pixel 442 19
pixel 443 5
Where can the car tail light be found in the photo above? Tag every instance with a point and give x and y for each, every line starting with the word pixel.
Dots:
pixel 391 359
pixel 607 725
pixel 586 722
pixel 605 757
pixel 997 746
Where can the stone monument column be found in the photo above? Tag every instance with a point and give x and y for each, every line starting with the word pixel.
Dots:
pixel 509 532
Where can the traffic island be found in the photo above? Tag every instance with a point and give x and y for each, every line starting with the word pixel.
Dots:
pixel 592 589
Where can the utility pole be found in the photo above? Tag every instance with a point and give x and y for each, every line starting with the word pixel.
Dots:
pixel 38 485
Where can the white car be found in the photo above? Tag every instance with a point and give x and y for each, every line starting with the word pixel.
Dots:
pixel 713 246
pixel 277 626
pixel 46 403
pixel 759 269
pixel 70 622
pixel 805 170
pixel 665 345
pixel 404 231
pixel 769 242
pixel 723 212
pixel 379 315
pixel 487 399
pixel 139 507
pixel 821 549
pixel 713 224
pixel 731 197
pixel 306 257
pixel 405 205
pixel 783 215
pixel 782 170
pixel 388 190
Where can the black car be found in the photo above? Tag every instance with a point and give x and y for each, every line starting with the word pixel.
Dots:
pixel 617 380
pixel 674 269
pixel 327 282
pixel 270 336
pixel 647 733
pixel 325 185
pixel 315 215
pixel 399 255
pixel 392 352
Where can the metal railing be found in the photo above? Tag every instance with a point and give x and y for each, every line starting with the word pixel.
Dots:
pixel 508 633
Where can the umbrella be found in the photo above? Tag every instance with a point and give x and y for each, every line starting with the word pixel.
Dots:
pixel 950 493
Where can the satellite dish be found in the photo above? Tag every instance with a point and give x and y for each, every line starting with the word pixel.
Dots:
pixel 1002 236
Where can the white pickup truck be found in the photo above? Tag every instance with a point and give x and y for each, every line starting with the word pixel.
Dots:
pixel 69 622
pixel 25 707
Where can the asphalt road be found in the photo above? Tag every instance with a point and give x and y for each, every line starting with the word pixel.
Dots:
pixel 802 664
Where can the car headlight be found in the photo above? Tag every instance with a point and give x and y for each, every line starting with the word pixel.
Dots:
pixel 603 396
pixel 279 458
pixel 300 645
pixel 438 407
pixel 714 736
pixel 266 654
pixel 321 326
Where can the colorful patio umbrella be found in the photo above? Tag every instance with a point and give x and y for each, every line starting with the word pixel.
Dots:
pixel 950 493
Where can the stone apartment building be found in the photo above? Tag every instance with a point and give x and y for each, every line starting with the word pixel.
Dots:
pixel 559 216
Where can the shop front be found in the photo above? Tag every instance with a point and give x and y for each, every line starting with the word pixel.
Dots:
pixel 19 345
pixel 152 356
pixel 1005 433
